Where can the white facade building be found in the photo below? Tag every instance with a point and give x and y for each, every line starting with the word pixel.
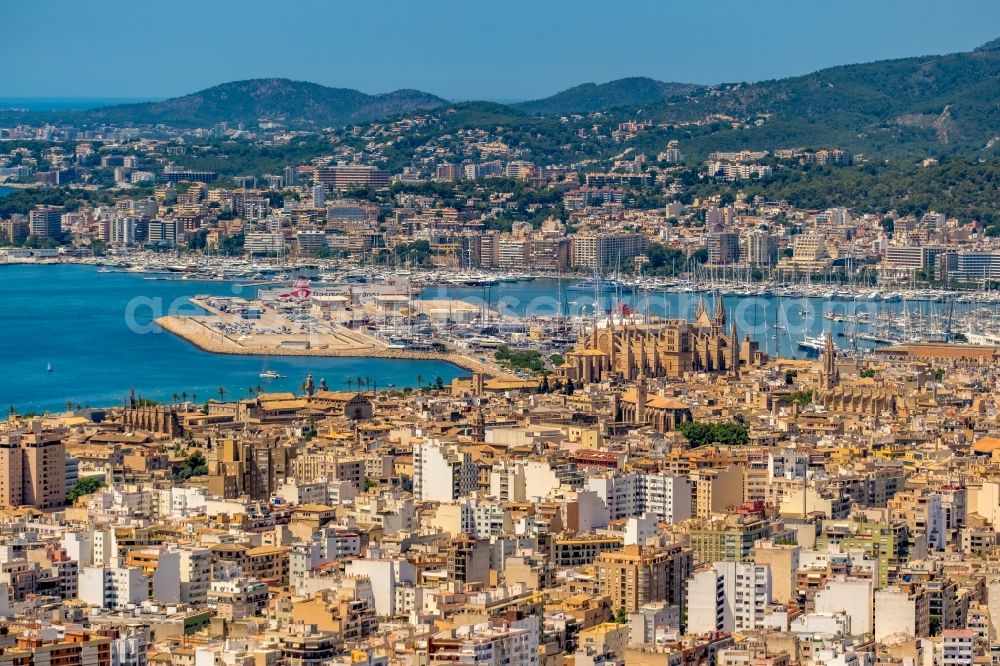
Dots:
pixel 442 473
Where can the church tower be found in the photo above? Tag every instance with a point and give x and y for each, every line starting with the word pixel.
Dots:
pixel 828 373
pixel 641 396
pixel 734 351
pixel 702 309
pixel 719 319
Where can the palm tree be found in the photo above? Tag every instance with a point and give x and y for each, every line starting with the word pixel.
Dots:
pixel 349 381
pixel 184 396
pixel 359 381
pixel 222 394
pixel 194 397
pixel 259 388
pixel 420 380
pixel 176 398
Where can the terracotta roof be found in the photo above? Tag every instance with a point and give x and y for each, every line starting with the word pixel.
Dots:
pixel 263 397
pixel 655 401
pixel 986 444
pixel 510 384
pixel 284 404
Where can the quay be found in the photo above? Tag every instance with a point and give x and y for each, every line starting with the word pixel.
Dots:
pixel 193 330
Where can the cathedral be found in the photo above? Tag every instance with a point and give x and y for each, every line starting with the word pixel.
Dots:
pixel 668 348
pixel 856 396
pixel 138 415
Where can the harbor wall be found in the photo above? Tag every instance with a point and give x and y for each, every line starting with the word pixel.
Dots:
pixel 208 340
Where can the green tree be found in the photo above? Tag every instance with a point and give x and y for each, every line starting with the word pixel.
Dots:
pixel 84 486
pixel 701 433
pixel 194 465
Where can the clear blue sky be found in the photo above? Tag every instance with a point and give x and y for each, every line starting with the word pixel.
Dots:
pixel 459 49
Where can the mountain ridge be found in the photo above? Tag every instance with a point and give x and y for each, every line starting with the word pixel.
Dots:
pixel 940 103
pixel 281 100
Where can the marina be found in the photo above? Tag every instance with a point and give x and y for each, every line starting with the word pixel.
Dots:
pixel 396 325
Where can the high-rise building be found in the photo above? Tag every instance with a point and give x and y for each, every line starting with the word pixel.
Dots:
pixel 348 176
pixel 450 172
pixel 14 230
pixel 318 195
pixel 45 221
pixel 123 231
pixel 548 254
pixel 968 266
pixel 264 242
pixel 723 248
pixel 761 249
pixel 636 575
pixel 512 253
pixel 442 473
pixel 728 596
pixel 163 232
pixel 172 175
pixel 601 250
pixel 32 468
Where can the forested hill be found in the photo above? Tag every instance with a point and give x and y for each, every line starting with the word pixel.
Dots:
pixel 948 103
pixel 589 97
pixel 290 103
pixel 942 105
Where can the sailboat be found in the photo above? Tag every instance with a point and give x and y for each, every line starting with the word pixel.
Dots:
pixel 48 368
pixel 267 373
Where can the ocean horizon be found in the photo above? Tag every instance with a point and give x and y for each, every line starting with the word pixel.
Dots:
pixel 66 103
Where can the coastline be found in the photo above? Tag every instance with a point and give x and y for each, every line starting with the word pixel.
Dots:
pixel 203 338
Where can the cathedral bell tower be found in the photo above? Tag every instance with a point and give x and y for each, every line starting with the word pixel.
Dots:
pixel 641 396
pixel 829 375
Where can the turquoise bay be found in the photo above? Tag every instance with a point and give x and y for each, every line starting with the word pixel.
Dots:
pixel 75 319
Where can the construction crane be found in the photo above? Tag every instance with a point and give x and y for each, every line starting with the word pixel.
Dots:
pixel 947 324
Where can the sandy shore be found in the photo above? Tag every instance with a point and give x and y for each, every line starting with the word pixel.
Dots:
pixel 211 340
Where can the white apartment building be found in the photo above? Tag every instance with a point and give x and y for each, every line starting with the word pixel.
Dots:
pixel 195 574
pixel 957 647
pixel 729 596
pixel 442 473
pixel 632 494
pixel 260 242
pixel 852 596
pixel 386 575
pixel 113 587
pixel 706 602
